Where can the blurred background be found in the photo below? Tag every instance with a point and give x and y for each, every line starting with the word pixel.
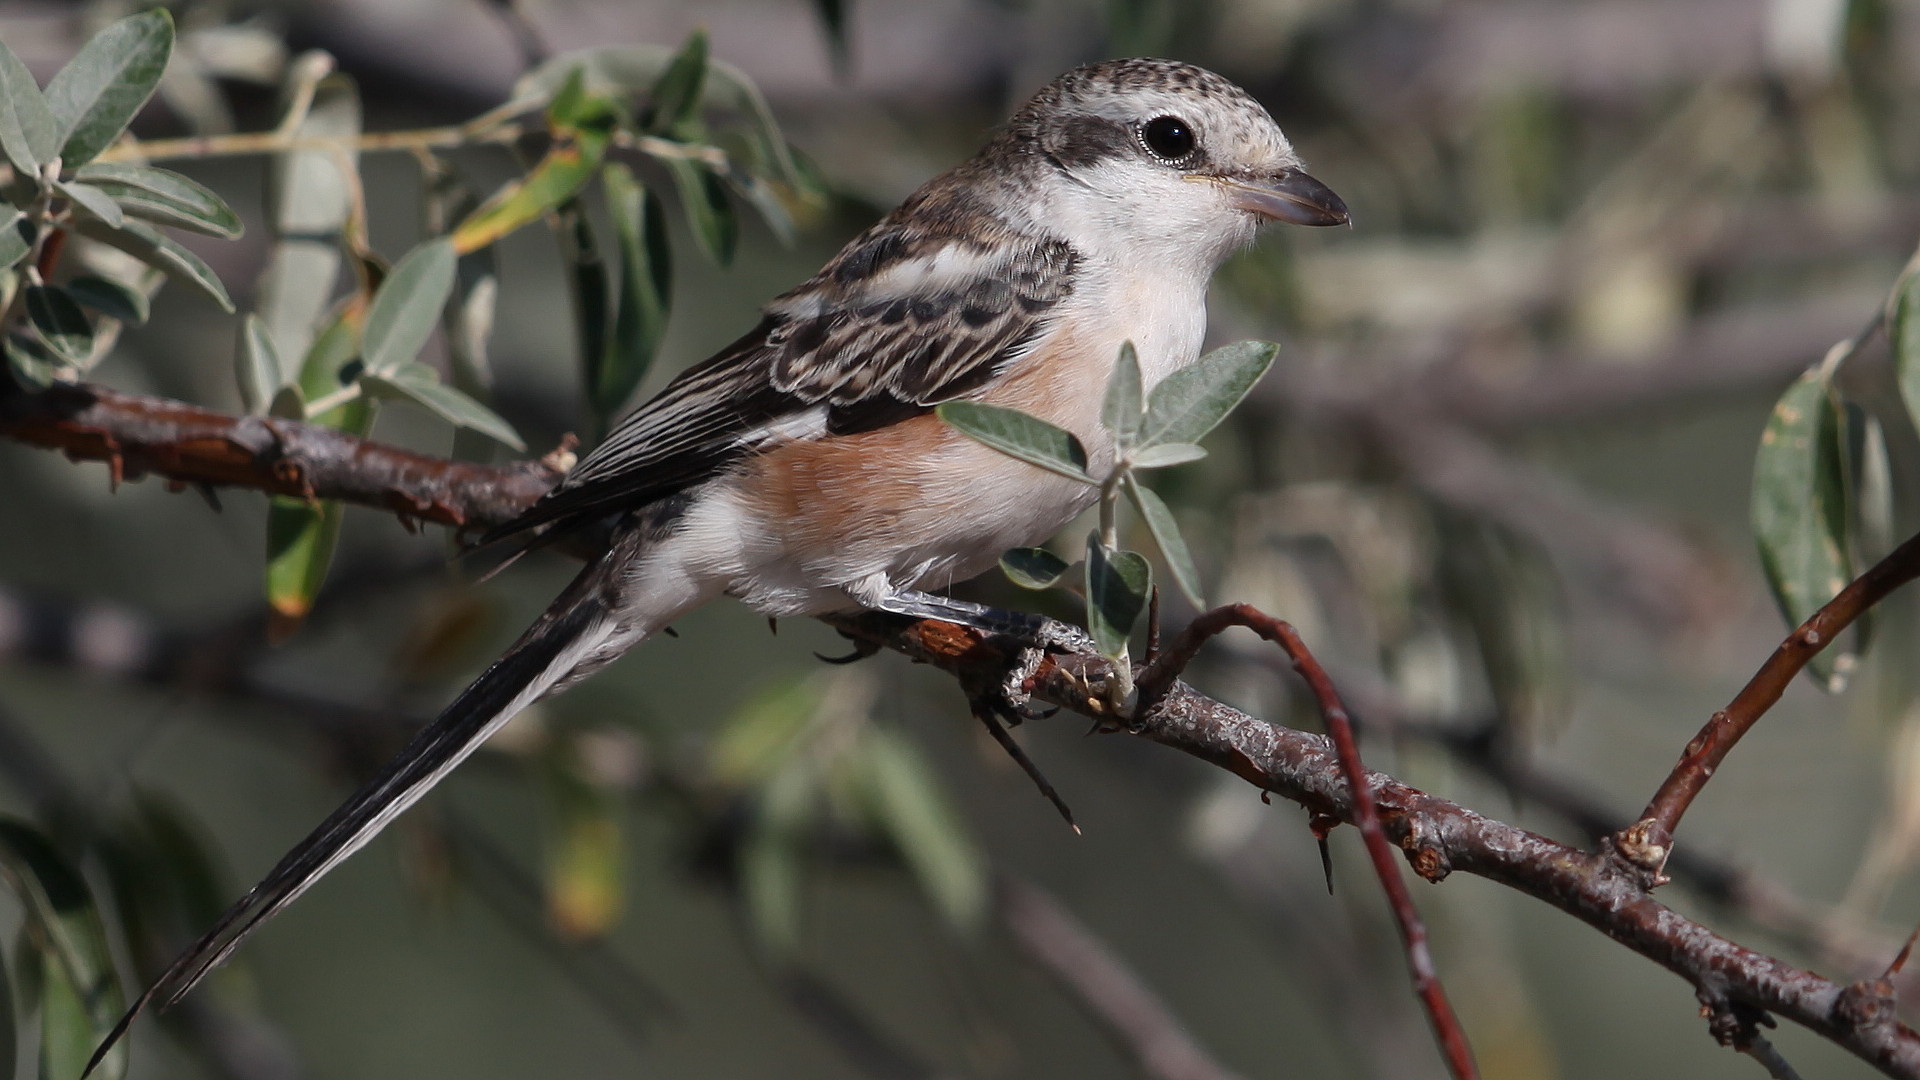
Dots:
pixel 1499 478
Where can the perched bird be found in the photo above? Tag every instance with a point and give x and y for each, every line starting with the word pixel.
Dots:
pixel 802 471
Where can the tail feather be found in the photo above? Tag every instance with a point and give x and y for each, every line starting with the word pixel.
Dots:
pixel 552 649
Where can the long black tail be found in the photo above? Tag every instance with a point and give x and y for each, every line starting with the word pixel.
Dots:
pixel 571 632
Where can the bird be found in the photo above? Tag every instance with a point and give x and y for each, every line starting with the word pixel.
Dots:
pixel 802 469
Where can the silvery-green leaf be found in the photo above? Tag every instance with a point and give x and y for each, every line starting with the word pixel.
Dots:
pixel 911 806
pixel 1121 411
pixel 80 996
pixel 1163 455
pixel 62 326
pixel 16 237
pixel 32 365
pixel 407 307
pixel 93 201
pixel 1118 583
pixel 97 94
pixel 257 365
pixel 1190 402
pixel 1016 434
pixel 1166 535
pixel 421 385
pixel 1800 515
pixel 150 246
pixel 1903 332
pixel 165 196
pixel 308 202
pixel 604 69
pixel 111 298
pixel 29 136
pixel 1033 568
pixel 703 201
pixel 675 98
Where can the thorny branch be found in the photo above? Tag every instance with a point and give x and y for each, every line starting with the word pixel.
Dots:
pixel 1737 986
pixel 1159 677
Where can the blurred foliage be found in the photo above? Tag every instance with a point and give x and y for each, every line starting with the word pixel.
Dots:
pixel 1469 479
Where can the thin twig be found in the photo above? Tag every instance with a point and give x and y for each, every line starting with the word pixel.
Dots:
pixel 1159 678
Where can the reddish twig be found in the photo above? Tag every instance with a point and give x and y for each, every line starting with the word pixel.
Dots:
pixel 1647 842
pixel 1159 677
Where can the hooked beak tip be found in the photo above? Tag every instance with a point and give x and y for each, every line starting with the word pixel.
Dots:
pixel 1290 196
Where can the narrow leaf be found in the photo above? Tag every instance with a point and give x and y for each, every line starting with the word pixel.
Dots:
pixel 1799 512
pixel 646 281
pixel 421 385
pixel 257 365
pixel 31 364
pixel 60 322
pixel 16 237
pixel 703 200
pixel 407 307
pixel 92 200
pixel 29 136
pixel 301 537
pixel 587 285
pixel 911 806
pixel 309 198
pixel 1117 586
pixel 1033 568
pixel 1166 536
pixel 1904 333
pixel 1164 454
pixel 586 860
pixel 770 858
pixel 1016 434
pixel 165 196
pixel 559 176
pixel 110 298
pixel 150 246
pixel 1122 411
pixel 81 997
pixel 97 94
pixel 675 99
pixel 1192 401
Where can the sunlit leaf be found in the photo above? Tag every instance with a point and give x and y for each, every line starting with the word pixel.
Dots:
pixel 675 98
pixel 97 94
pixel 29 136
pixel 60 322
pixel 1799 508
pixel 257 364
pixel 1033 568
pixel 703 201
pixel 1118 583
pixel 912 808
pixel 421 385
pixel 1016 434
pixel 1122 410
pixel 1192 401
pixel 407 307
pixel 1165 454
pixel 640 316
pixel 92 200
pixel 164 196
pixel 150 246
pixel 583 127
pixel 1166 536
pixel 81 997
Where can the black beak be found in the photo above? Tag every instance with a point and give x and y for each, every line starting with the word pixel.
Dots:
pixel 1290 196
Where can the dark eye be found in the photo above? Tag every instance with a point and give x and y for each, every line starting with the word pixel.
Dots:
pixel 1168 137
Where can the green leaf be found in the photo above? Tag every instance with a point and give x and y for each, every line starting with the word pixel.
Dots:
pixel 16 237
pixel 586 858
pixel 1016 434
pixel 110 298
pixel 587 285
pixel 32 365
pixel 1166 536
pixel 1165 454
pixel 703 201
pixel 301 537
pixel 1904 333
pixel 1121 413
pixel 1192 401
pixel 1799 507
pixel 407 307
pixel 60 322
pixel 165 196
pixel 97 94
pixel 81 997
pixel 1033 568
pixel 675 98
pixel 911 806
pixel 771 857
pixel 150 246
pixel 1117 586
pixel 257 365
pixel 558 177
pixel 93 201
pixel 29 136
pixel 646 282
pixel 308 203
pixel 421 385
pixel 605 69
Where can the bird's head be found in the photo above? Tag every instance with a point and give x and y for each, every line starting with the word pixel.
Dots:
pixel 1165 151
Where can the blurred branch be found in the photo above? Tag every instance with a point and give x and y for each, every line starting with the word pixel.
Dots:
pixel 1052 937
